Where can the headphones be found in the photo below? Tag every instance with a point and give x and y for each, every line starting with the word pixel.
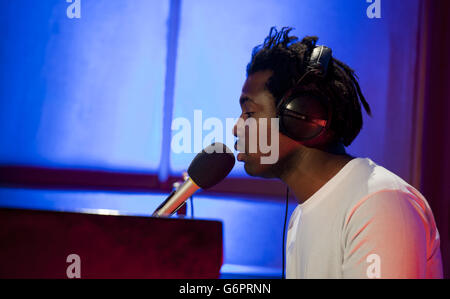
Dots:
pixel 305 116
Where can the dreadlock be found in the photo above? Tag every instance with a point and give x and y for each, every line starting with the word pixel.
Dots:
pixel 286 57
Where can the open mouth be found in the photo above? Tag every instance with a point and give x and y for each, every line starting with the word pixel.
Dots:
pixel 241 157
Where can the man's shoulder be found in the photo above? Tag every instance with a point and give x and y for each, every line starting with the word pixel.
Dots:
pixel 368 180
pixel 385 192
pixel 373 177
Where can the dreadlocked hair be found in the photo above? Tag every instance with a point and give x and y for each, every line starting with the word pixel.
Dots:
pixel 287 58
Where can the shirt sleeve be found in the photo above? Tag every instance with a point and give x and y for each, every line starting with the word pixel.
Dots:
pixel 386 236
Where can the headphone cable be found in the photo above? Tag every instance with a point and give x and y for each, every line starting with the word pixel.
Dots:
pixel 192 207
pixel 283 275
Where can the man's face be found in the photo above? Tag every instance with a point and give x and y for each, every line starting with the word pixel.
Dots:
pixel 258 105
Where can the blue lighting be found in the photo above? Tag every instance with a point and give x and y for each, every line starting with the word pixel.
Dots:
pixel 82 93
pixel 91 93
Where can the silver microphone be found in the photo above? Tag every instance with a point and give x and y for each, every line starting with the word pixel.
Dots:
pixel 176 199
pixel 207 169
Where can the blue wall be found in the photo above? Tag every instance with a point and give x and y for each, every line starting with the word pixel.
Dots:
pixel 83 93
pixel 217 37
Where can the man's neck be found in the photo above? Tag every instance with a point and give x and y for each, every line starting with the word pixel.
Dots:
pixel 306 170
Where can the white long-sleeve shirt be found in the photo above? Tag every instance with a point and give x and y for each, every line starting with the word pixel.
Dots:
pixel 365 222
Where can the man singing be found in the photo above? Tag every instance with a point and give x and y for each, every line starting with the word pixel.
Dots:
pixel 355 219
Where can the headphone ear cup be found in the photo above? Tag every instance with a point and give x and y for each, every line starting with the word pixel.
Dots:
pixel 298 129
pixel 304 118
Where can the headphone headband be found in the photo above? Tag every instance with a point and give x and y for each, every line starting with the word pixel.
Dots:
pixel 320 58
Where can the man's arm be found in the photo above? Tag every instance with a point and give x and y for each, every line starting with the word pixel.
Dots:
pixel 386 236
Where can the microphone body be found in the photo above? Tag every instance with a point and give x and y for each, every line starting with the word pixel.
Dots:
pixel 176 199
pixel 207 169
